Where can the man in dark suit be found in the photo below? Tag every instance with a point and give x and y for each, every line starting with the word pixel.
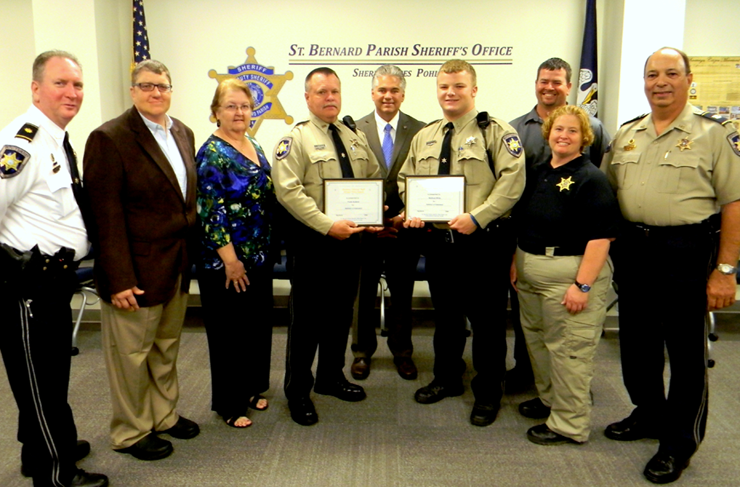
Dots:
pixel 140 175
pixel 389 133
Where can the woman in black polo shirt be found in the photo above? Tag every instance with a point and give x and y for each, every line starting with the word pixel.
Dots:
pixel 566 220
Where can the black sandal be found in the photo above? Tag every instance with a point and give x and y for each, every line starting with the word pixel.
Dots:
pixel 231 421
pixel 255 399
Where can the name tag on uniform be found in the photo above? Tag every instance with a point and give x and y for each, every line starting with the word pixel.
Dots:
pixel 319 146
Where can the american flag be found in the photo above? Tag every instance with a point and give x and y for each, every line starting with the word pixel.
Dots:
pixel 141 38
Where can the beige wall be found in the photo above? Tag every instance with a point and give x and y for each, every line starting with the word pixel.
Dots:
pixel 193 37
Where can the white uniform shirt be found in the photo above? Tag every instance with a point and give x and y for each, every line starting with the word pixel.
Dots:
pixel 37 205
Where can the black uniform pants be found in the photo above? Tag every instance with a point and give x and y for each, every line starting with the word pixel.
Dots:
pixel 468 276
pixel 398 257
pixel 36 348
pixel 239 330
pixel 325 280
pixel 662 278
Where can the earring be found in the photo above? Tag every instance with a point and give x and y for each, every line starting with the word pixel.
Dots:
pixel 218 123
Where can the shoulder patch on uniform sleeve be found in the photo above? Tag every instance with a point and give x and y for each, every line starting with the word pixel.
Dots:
pixel 608 148
pixel 513 145
pixel 734 140
pixel 12 161
pixel 283 148
pixel 27 132
pixel 635 119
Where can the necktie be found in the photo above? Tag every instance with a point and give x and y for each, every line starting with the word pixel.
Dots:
pixel 341 152
pixel 446 154
pixel 77 190
pixel 387 145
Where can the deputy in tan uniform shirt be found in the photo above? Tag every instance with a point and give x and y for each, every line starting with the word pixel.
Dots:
pixel 467 259
pixel 676 173
pixel 324 253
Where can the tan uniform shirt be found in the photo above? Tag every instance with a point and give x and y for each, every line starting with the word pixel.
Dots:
pixel 488 196
pixel 305 157
pixel 679 177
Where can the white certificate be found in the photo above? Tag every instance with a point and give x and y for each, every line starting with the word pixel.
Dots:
pixel 357 200
pixel 435 198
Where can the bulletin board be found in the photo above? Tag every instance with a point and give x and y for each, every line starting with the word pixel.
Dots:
pixel 716 85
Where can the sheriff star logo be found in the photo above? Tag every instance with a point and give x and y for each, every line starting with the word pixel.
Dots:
pixel 264 85
pixel 565 183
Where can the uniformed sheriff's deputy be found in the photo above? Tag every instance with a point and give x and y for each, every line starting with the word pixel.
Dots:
pixel 468 258
pixel 43 239
pixel 676 172
pixel 324 253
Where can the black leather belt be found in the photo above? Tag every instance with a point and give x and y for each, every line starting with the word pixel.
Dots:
pixel 552 251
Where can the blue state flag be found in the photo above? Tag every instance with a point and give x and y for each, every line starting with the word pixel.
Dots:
pixel 587 96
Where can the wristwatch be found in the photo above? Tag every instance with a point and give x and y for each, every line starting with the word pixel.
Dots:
pixel 726 269
pixel 583 287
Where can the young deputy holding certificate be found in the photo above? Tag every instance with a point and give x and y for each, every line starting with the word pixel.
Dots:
pixel 468 258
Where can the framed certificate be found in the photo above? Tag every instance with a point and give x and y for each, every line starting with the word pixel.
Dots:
pixel 435 198
pixel 356 200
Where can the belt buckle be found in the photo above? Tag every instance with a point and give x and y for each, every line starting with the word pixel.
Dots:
pixel 550 251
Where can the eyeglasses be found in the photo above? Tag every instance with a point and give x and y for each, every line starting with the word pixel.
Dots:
pixel 233 108
pixel 146 87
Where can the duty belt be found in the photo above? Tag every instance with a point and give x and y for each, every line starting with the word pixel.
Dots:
pixel 708 226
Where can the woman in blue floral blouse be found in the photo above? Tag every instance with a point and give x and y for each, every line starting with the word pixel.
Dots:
pixel 235 206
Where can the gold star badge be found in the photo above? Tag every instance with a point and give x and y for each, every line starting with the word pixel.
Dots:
pixel 630 145
pixel 565 184
pixel 10 161
pixel 684 144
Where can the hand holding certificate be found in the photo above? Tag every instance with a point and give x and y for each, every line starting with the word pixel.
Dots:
pixel 356 200
pixel 435 198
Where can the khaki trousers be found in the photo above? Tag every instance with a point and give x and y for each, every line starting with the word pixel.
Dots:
pixel 140 351
pixel 561 345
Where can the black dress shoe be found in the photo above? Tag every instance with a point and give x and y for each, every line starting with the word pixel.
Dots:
pixel 406 368
pixel 346 391
pixel 85 479
pixel 484 413
pixel 435 392
pixel 360 368
pixel 664 468
pixel 534 408
pixel 633 427
pixel 303 412
pixel 542 435
pixel 151 447
pixel 81 451
pixel 184 429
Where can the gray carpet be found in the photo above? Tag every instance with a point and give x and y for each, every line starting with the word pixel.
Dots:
pixel 388 439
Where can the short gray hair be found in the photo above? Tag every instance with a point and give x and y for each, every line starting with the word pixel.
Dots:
pixel 39 64
pixel 389 70
pixel 152 66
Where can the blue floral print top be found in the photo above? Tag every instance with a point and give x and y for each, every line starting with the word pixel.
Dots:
pixel 235 202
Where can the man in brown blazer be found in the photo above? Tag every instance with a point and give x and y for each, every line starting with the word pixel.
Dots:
pixel 389 132
pixel 140 176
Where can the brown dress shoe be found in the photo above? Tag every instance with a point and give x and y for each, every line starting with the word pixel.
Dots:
pixel 406 367
pixel 360 368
